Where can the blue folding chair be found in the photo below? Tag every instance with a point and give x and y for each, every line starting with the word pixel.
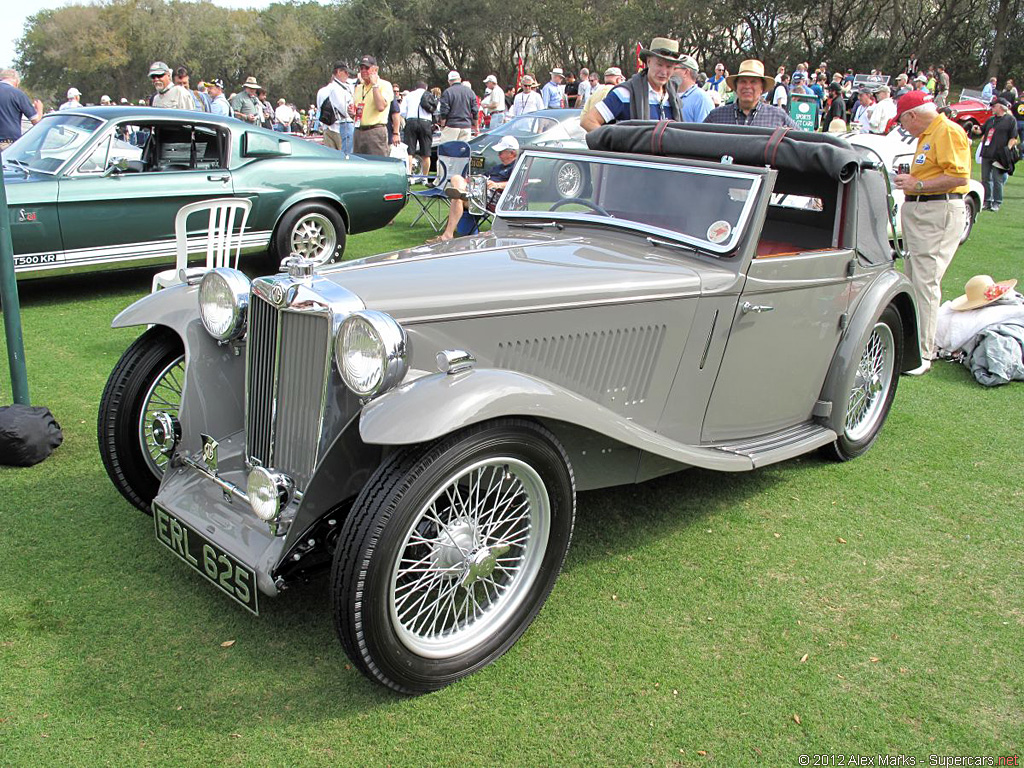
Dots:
pixel 452 160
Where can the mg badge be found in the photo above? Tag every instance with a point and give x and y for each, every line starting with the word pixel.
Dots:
pixel 210 452
pixel 277 294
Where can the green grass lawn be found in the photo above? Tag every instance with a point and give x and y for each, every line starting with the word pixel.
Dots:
pixel 810 607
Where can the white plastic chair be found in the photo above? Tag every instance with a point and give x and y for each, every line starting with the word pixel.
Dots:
pixel 223 237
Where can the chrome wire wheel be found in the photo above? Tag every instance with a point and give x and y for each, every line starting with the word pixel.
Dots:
pixel 569 180
pixel 470 557
pixel 871 384
pixel 314 237
pixel 164 394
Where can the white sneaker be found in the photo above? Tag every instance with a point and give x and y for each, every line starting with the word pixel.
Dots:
pixel 920 370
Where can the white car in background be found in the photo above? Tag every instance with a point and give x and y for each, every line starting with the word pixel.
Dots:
pixel 896 148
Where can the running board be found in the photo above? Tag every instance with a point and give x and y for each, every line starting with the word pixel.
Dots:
pixel 781 445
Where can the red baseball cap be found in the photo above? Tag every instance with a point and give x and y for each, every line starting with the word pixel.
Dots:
pixel 909 101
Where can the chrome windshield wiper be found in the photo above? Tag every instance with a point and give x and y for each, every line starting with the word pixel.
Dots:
pixel 537 224
pixel 16 163
pixel 670 244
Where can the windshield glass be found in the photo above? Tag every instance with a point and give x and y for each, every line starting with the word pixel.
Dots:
pixel 524 125
pixel 51 143
pixel 707 208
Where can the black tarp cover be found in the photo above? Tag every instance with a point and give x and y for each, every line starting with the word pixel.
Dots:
pixel 799 151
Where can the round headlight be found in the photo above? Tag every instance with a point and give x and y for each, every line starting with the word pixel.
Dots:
pixel 268 492
pixel 224 303
pixel 369 351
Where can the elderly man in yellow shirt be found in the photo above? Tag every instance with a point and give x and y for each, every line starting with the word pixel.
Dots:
pixel 371 105
pixel 933 212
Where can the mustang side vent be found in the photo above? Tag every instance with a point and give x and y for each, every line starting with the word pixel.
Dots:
pixel 613 367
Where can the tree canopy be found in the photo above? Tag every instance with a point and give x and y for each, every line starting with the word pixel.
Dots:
pixel 106 47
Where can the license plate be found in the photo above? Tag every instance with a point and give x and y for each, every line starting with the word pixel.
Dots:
pixel 477 163
pixel 231 577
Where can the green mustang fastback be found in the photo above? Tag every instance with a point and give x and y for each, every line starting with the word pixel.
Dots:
pixel 98 188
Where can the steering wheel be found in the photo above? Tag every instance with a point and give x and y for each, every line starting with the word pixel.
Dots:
pixel 579 200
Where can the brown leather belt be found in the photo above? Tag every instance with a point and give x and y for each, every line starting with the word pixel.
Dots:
pixel 926 198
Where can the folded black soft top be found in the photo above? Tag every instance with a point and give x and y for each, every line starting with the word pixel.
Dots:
pixel 792 151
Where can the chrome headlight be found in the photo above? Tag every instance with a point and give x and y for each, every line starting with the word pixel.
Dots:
pixel 369 351
pixel 953 113
pixel 224 303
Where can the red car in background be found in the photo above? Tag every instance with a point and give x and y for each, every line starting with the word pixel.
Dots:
pixel 971 111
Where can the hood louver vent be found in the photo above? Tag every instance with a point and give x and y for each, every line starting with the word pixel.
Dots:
pixel 613 367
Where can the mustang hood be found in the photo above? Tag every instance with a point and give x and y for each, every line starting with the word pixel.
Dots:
pixel 490 274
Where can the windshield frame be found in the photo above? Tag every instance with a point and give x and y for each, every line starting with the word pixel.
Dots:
pixel 51 119
pixel 676 165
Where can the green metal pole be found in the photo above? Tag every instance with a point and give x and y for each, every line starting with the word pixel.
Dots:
pixel 12 307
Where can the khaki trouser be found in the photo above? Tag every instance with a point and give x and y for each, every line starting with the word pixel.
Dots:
pixel 371 140
pixel 332 139
pixel 456 134
pixel 931 233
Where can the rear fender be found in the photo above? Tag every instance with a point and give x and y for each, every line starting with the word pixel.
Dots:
pixel 890 288
pixel 439 404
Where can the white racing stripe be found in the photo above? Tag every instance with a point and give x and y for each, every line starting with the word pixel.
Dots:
pixel 111 254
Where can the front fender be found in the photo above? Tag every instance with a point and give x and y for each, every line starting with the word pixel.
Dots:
pixel 438 404
pixel 174 307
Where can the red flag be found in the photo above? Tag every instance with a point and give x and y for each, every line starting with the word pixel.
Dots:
pixel 519 72
pixel 639 62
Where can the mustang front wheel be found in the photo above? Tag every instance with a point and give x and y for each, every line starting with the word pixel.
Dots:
pixel 873 389
pixel 450 551
pixel 146 380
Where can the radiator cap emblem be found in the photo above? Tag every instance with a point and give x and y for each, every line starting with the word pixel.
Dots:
pixel 298 267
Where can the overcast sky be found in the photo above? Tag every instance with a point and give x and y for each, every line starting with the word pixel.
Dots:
pixel 16 13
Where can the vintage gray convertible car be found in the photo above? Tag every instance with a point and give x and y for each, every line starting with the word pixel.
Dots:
pixel 419 422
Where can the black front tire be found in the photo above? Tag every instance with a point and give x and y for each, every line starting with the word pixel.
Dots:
pixel 147 378
pixel 876 375
pixel 449 505
pixel 313 230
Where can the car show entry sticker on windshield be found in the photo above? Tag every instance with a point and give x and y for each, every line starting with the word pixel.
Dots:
pixel 236 580
pixel 719 232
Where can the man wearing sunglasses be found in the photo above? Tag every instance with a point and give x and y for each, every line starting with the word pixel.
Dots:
pixel 167 95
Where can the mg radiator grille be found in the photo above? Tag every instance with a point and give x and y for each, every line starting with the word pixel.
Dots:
pixel 287 374
pixel 614 365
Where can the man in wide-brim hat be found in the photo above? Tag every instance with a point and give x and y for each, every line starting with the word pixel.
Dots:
pixel 245 103
pixel 647 95
pixel 749 83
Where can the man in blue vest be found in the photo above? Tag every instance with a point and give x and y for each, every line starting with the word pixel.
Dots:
pixel 647 95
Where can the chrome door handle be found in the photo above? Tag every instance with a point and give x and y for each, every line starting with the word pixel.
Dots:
pixel 225 177
pixel 747 307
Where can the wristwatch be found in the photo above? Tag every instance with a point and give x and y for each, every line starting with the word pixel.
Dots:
pixel 919 185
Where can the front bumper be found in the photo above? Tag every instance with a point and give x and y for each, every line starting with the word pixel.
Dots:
pixel 221 516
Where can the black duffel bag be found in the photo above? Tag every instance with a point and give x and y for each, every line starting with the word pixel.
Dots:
pixel 28 434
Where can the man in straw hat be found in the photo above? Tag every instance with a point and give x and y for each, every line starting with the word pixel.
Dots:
pixel 246 104
pixel 933 209
pixel 527 100
pixel 647 95
pixel 748 109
